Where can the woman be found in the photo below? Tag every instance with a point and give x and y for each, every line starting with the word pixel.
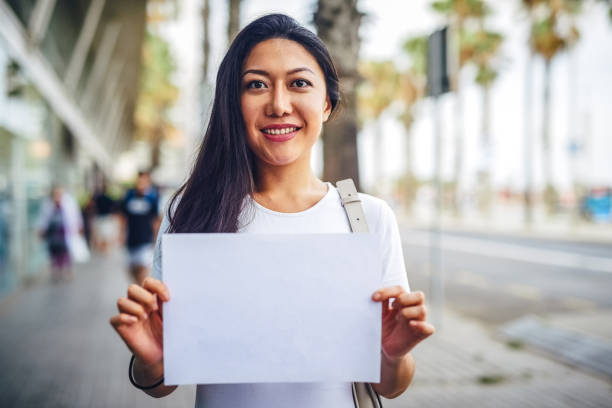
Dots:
pixel 60 224
pixel 275 88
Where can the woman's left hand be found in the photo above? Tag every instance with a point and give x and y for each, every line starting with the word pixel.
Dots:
pixel 403 323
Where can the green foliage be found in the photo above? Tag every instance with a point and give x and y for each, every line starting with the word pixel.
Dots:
pixel 475 46
pixel 485 75
pixel 546 37
pixel 414 80
pixel 515 344
pixel 460 9
pixel 157 92
pixel 378 89
pixel 416 48
pixel 481 47
pixel 491 379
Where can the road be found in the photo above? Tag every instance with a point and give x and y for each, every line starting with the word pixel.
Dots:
pixel 497 278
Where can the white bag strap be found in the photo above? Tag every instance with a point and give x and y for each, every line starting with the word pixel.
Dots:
pixel 352 205
pixel 364 395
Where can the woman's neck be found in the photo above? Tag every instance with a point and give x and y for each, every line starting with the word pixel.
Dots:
pixel 292 188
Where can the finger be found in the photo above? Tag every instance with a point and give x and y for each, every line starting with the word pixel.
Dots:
pixel 387 310
pixel 410 299
pixel 158 287
pixel 159 306
pixel 141 295
pixel 130 307
pixel 424 329
pixel 414 312
pixel 122 319
pixel 386 293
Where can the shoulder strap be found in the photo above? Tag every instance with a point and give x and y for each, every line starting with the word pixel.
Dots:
pixel 352 205
pixel 364 395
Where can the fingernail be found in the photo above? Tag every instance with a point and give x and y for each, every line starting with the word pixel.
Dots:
pixel 133 318
pixel 145 316
pixel 377 296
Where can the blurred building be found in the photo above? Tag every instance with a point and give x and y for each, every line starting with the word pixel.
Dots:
pixel 69 74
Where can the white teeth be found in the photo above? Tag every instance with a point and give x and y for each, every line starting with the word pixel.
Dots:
pixel 283 131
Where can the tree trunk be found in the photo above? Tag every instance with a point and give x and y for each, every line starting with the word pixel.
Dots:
pixel 527 143
pixel 156 140
pixel 233 23
pixel 337 23
pixel 458 118
pixel 410 182
pixel 550 194
pixel 378 156
pixel 206 37
pixel 546 152
pixel 485 145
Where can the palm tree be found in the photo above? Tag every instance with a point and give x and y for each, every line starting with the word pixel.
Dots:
pixel 548 40
pixel 206 39
pixel 233 22
pixel 458 12
pixel 156 96
pixel 412 87
pixel 337 23
pixel 374 95
pixel 482 48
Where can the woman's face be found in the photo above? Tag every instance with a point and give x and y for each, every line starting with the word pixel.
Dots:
pixel 284 101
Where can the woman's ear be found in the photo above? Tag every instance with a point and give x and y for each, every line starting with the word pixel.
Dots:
pixel 327 108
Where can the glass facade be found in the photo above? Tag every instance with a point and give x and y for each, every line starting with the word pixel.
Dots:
pixel 69 74
pixel 26 163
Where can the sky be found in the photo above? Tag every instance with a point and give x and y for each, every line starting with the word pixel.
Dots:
pixel 580 107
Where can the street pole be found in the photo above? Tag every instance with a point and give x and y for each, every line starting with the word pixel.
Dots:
pixel 438 83
pixel 436 284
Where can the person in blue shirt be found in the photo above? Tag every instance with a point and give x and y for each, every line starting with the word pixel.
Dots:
pixel 140 209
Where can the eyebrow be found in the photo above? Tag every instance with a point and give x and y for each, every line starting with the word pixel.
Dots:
pixel 266 73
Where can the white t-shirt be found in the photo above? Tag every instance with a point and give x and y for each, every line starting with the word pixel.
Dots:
pixel 326 216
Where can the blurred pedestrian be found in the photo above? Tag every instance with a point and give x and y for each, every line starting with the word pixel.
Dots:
pixel 140 209
pixel 88 213
pixel 278 85
pixel 105 223
pixel 60 224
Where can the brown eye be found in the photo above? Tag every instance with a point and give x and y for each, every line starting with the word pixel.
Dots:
pixel 256 85
pixel 301 83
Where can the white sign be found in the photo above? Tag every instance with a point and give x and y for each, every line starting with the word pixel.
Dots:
pixel 251 308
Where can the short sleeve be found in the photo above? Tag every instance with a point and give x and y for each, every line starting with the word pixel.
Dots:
pixel 394 267
pixel 157 256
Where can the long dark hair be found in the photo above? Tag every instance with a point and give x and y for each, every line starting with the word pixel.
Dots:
pixel 223 174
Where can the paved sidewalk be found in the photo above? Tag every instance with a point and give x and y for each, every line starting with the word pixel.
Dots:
pixel 465 365
pixel 57 349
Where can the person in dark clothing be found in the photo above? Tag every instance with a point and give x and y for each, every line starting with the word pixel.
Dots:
pixel 60 224
pixel 105 226
pixel 140 209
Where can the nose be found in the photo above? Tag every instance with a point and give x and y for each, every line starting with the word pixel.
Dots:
pixel 280 103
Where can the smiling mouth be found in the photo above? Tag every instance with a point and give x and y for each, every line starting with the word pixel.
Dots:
pixel 282 131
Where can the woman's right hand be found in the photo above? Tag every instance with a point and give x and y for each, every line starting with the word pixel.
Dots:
pixel 140 320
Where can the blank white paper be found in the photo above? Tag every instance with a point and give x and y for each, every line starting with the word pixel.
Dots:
pixel 249 308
